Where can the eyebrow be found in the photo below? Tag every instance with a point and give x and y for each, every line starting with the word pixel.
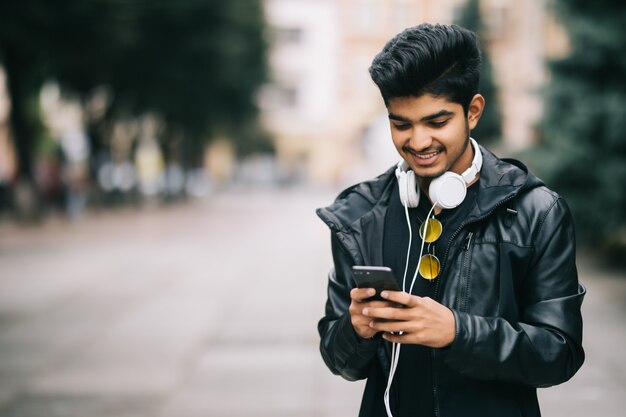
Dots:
pixel 440 113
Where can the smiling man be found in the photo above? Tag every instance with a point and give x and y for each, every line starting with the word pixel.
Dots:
pixel 483 251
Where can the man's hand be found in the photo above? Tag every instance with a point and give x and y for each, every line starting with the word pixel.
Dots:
pixel 360 322
pixel 422 320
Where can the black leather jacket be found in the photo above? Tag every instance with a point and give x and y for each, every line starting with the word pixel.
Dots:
pixel 511 282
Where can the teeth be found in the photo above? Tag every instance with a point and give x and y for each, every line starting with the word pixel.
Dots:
pixel 426 156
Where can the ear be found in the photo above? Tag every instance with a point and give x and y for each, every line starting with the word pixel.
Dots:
pixel 475 110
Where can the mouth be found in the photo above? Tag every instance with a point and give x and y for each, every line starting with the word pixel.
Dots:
pixel 423 158
pixel 426 155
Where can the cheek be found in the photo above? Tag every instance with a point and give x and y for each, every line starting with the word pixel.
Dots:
pixel 397 139
pixel 454 132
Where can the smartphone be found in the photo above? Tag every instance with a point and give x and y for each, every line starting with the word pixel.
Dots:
pixel 378 277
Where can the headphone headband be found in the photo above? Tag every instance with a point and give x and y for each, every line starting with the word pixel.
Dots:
pixel 470 173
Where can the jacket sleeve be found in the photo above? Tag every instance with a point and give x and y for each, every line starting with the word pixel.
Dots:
pixel 545 347
pixel 344 352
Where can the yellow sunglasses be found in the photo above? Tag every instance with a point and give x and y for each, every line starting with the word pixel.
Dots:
pixel 429 265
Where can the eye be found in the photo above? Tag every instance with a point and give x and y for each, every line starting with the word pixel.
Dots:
pixel 402 126
pixel 437 124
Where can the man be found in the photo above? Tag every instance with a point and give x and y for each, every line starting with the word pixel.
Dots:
pixel 497 312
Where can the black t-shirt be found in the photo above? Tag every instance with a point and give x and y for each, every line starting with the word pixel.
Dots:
pixel 414 376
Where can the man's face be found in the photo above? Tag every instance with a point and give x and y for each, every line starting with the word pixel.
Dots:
pixel 432 134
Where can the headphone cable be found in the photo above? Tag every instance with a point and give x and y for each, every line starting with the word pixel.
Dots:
pixel 395 347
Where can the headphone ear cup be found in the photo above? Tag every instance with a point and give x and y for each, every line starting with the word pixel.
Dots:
pixel 407 186
pixel 448 190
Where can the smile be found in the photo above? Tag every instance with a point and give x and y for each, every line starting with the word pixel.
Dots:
pixel 424 158
pixel 426 155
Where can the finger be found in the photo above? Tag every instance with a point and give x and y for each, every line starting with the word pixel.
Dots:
pixel 360 294
pixel 357 309
pixel 389 326
pixel 386 312
pixel 361 325
pixel 396 337
pixel 362 322
pixel 401 297
pixel 357 318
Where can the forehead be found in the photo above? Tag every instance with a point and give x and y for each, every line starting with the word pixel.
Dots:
pixel 421 106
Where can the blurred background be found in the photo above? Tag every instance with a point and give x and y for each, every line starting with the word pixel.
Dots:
pixel 160 163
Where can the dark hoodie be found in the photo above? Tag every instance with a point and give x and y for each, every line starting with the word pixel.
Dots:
pixel 511 283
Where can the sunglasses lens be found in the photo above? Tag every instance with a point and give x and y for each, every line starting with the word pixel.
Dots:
pixel 429 267
pixel 433 230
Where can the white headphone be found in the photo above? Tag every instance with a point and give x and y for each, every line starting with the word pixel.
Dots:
pixel 446 191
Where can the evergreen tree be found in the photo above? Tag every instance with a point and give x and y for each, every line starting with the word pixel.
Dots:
pixel 582 153
pixel 489 129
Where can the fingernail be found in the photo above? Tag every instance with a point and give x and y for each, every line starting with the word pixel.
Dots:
pixel 371 291
pixel 384 294
pixel 366 311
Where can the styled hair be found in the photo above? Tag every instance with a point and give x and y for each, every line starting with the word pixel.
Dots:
pixel 441 60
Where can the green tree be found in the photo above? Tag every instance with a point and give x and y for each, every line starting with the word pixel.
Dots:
pixel 35 36
pixel 489 129
pixel 582 153
pixel 194 63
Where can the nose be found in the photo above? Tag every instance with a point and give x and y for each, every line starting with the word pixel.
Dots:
pixel 420 139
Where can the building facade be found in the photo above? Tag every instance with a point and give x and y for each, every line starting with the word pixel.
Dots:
pixel 327 117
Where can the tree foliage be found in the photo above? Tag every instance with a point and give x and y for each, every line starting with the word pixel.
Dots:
pixel 583 148
pixel 194 63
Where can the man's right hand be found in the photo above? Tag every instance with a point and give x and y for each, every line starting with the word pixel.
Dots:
pixel 360 322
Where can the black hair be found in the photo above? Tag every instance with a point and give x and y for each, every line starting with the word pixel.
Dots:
pixel 441 60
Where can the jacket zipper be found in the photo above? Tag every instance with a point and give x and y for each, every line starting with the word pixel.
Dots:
pixel 435 390
pixel 465 272
pixel 457 231
pixel 468 240
pixel 466 247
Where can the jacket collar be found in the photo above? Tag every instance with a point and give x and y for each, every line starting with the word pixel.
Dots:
pixel 500 181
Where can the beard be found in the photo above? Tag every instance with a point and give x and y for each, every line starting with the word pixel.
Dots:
pixel 427 177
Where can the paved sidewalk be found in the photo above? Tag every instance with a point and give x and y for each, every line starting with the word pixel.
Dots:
pixel 210 309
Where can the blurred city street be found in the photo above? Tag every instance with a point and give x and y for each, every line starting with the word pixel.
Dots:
pixel 210 309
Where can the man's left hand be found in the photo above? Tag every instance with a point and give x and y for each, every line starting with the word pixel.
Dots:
pixel 422 320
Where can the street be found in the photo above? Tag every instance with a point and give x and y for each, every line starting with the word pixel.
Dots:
pixel 210 309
